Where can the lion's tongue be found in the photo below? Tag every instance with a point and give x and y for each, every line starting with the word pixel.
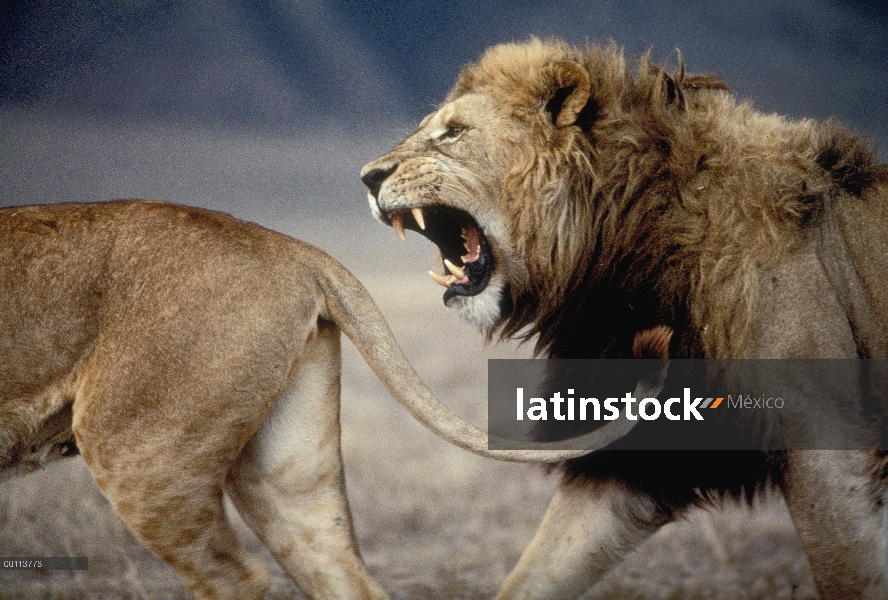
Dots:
pixel 457 275
pixel 473 244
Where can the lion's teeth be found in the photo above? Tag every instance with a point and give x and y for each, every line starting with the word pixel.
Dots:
pixel 444 280
pixel 398 224
pixel 417 214
pixel 454 270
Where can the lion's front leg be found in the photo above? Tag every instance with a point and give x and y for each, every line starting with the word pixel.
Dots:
pixel 838 506
pixel 588 528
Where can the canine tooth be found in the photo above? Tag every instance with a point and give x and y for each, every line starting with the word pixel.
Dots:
pixel 417 214
pixel 444 280
pixel 398 224
pixel 454 270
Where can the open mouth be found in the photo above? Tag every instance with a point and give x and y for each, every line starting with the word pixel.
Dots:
pixel 468 261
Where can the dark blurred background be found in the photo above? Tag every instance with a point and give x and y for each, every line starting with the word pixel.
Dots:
pixel 292 65
pixel 337 82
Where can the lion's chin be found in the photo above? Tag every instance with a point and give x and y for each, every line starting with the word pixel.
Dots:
pixel 483 309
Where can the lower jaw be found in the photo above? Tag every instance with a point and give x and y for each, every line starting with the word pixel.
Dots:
pixel 451 293
pixel 476 276
pixel 483 309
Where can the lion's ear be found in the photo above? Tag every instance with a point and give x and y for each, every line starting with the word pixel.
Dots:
pixel 568 89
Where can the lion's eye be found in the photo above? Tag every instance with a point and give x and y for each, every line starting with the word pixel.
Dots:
pixel 453 131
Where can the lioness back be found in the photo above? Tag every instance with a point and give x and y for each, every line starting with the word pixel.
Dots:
pixel 185 353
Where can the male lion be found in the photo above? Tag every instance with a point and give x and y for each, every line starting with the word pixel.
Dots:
pixel 579 200
pixel 184 352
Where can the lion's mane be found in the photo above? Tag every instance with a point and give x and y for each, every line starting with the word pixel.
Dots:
pixel 608 206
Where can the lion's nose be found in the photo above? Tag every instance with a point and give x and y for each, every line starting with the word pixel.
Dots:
pixel 374 177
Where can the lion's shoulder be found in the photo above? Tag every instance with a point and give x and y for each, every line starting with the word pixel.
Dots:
pixel 850 159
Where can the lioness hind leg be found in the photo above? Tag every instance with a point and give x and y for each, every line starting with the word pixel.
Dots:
pixel 178 514
pixel 288 482
pixel 839 509
pixel 205 553
pixel 588 528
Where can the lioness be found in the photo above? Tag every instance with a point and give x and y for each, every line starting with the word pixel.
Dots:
pixel 575 198
pixel 183 352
